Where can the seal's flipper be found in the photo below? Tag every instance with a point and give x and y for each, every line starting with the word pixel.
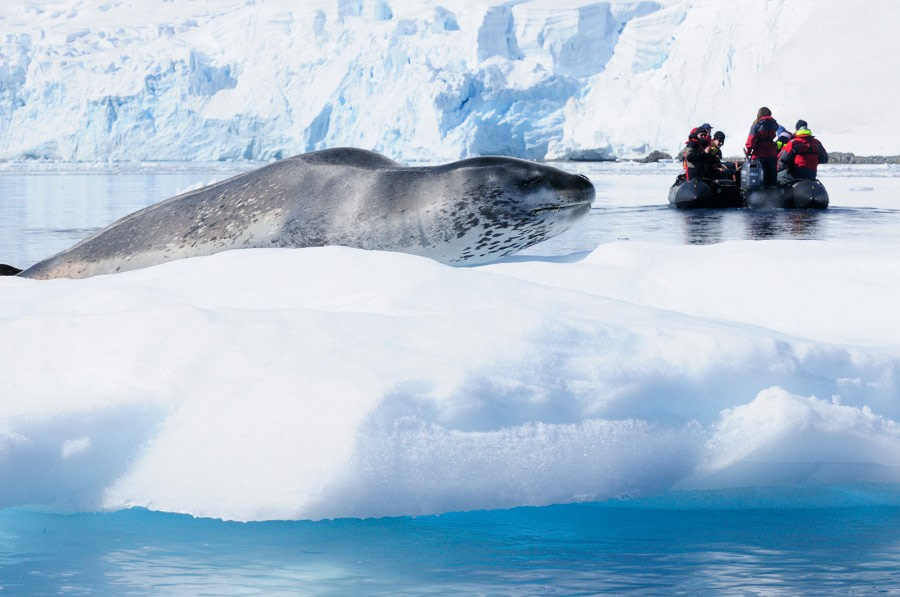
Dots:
pixel 8 270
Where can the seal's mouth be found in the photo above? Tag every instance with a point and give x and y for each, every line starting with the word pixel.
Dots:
pixel 574 194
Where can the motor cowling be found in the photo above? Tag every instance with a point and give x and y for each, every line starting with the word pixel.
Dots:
pixel 751 175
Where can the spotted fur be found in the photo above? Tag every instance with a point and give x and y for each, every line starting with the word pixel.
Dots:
pixel 463 213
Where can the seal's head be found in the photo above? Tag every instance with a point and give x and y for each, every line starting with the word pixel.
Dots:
pixel 502 205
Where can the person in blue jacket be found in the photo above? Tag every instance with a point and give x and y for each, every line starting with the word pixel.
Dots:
pixel 782 136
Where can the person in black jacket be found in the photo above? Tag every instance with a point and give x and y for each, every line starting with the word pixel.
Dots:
pixel 695 160
pixel 716 168
pixel 708 140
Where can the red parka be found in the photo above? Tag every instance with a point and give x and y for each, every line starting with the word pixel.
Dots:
pixel 802 155
pixel 761 140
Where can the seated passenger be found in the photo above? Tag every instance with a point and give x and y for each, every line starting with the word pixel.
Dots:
pixel 800 157
pixel 694 158
pixel 716 168
pixel 708 128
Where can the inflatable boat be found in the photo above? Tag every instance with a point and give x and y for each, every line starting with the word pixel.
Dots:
pixel 708 193
pixel 704 193
pixel 800 193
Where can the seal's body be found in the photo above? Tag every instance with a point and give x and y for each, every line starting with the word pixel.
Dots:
pixel 467 212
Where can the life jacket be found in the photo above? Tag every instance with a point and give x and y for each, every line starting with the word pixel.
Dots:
pixel 803 151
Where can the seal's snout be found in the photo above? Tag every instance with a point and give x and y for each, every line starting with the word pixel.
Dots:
pixel 583 187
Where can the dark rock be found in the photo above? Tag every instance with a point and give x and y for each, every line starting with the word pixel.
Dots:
pixel 839 157
pixel 655 156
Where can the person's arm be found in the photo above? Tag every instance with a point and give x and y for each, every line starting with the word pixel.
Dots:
pixel 751 140
pixel 786 156
pixel 693 154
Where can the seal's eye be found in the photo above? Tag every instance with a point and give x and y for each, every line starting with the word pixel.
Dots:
pixel 532 182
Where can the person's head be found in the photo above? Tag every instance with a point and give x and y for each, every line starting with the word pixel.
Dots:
pixel 801 124
pixel 764 111
pixel 719 138
pixel 702 134
pixel 706 126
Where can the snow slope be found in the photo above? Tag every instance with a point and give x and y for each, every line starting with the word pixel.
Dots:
pixel 332 382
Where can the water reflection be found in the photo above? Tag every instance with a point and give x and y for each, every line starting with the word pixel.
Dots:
pixel 765 224
pixel 709 226
pixel 702 226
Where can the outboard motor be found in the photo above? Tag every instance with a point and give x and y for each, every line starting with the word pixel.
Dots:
pixel 751 175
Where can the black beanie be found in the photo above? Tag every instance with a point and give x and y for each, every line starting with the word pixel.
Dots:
pixel 801 124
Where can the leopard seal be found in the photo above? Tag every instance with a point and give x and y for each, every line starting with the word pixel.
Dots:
pixel 468 212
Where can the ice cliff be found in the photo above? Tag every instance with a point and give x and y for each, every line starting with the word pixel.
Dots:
pixel 424 80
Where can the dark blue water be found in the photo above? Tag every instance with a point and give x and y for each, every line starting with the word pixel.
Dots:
pixel 581 549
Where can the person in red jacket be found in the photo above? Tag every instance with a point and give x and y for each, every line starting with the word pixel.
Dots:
pixel 761 146
pixel 800 157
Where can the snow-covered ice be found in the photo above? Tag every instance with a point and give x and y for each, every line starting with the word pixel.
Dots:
pixel 332 382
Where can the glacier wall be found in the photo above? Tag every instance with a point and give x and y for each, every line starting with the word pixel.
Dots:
pixel 423 80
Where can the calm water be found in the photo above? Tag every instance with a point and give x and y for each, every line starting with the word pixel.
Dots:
pixel 580 549
pixel 43 212
pixel 756 548
pixel 632 204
